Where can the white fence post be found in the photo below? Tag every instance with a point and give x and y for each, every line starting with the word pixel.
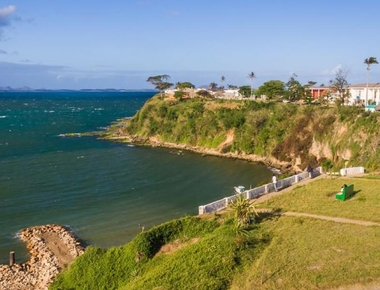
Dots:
pixel 296 179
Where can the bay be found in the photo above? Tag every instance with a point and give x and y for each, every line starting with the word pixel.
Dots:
pixel 106 192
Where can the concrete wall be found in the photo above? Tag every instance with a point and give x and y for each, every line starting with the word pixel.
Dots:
pixel 257 191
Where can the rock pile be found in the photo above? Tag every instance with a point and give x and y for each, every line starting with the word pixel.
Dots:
pixel 51 249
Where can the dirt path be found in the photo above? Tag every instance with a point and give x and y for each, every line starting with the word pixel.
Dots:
pixel 334 219
pixel 316 216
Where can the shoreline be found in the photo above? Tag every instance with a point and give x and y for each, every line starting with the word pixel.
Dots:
pixel 51 248
pixel 272 163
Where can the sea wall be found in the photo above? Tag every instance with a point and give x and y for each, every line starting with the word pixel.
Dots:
pixel 51 249
pixel 258 191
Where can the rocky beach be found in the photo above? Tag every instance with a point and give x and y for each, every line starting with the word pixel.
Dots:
pixel 51 249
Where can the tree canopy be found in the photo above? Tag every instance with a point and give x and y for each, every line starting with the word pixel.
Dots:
pixel 272 89
pixel 339 85
pixel 369 61
pixel 184 85
pixel 295 90
pixel 160 82
pixel 245 91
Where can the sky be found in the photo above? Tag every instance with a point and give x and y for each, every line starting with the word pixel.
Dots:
pixel 120 43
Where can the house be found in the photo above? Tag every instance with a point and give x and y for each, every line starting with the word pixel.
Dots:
pixel 359 95
pixel 318 92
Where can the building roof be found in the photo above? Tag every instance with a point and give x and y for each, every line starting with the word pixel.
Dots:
pixel 370 85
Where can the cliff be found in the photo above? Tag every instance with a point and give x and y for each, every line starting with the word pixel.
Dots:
pixel 286 136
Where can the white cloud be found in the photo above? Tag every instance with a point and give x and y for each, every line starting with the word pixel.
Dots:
pixel 5 15
pixel 331 72
pixel 5 18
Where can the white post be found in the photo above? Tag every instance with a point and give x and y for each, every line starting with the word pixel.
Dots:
pixel 201 209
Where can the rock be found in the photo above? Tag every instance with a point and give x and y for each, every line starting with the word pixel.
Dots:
pixel 51 249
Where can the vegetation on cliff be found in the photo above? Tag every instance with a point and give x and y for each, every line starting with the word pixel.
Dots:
pixel 188 253
pixel 291 134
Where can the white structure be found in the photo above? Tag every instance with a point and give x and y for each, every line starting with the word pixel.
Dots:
pixel 257 191
pixel 352 171
pixel 358 94
pixel 230 94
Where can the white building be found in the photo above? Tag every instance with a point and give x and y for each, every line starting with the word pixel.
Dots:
pixel 358 94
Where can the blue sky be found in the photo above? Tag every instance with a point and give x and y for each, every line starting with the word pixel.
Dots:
pixel 120 43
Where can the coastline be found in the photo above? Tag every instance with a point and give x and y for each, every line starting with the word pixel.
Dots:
pixel 271 162
pixel 51 249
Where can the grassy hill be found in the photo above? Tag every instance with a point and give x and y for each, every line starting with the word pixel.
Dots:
pixel 275 252
pixel 284 135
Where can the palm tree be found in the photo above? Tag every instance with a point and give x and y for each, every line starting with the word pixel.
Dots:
pixel 368 62
pixel 222 80
pixel 252 76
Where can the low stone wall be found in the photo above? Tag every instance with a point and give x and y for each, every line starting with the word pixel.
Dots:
pixel 352 171
pixel 51 249
pixel 258 191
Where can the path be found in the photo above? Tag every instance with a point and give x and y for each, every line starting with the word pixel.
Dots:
pixel 370 286
pixel 316 216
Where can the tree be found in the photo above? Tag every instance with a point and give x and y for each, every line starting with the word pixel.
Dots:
pixel 179 95
pixel 184 85
pixel 339 85
pixel 369 61
pixel 245 91
pixel 252 76
pixel 308 97
pixel 222 79
pixel 160 83
pixel 272 89
pixel 213 86
pixel 204 94
pixel 295 90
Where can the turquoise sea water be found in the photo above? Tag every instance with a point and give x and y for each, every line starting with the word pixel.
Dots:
pixel 104 191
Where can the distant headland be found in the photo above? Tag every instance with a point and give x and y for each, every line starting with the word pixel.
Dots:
pixel 28 89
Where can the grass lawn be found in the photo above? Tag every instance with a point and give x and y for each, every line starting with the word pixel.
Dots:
pixel 318 197
pixel 307 253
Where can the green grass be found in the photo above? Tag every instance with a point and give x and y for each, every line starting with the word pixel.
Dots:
pixel 318 197
pixel 208 263
pixel 280 252
pixel 314 254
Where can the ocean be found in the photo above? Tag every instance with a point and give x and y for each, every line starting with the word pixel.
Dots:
pixel 105 191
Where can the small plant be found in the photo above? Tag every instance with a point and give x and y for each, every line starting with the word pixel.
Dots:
pixel 134 273
pixel 243 212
